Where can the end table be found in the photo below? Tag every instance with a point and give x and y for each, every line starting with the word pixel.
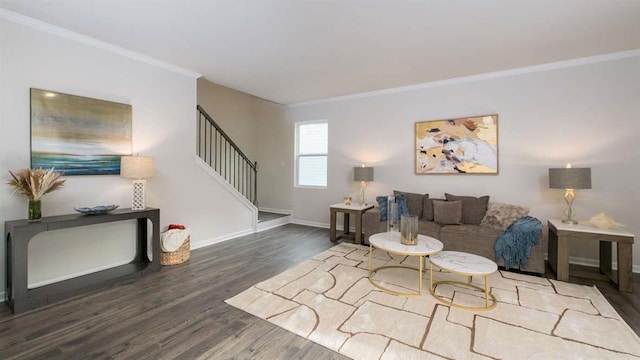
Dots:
pixel 559 235
pixel 354 209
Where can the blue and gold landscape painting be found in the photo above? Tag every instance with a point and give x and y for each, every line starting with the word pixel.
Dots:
pixel 78 135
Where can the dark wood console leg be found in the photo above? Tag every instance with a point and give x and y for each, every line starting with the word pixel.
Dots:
pixel 17 276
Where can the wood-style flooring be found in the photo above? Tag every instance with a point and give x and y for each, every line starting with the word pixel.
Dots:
pixel 179 312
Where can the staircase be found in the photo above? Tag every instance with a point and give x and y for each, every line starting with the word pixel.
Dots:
pixel 224 157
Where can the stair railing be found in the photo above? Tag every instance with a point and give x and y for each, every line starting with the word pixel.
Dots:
pixel 217 149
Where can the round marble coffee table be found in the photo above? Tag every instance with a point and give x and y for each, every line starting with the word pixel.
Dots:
pixel 390 242
pixel 464 264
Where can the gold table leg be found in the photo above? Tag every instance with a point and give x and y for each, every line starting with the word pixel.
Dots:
pixel 375 283
pixel 487 295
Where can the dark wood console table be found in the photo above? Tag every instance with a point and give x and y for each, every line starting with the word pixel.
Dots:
pixel 18 233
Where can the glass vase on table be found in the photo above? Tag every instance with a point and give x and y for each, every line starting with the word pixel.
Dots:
pixel 393 223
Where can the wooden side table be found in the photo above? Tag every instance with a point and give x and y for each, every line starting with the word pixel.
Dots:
pixel 559 235
pixel 354 209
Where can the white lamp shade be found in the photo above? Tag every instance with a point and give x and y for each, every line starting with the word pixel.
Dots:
pixel 136 167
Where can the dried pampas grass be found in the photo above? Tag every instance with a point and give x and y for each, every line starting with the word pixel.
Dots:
pixel 35 183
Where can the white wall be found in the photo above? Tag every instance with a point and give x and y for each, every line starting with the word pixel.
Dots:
pixel 164 121
pixel 588 115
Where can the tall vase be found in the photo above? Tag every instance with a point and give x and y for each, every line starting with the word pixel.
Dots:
pixel 35 210
pixel 392 216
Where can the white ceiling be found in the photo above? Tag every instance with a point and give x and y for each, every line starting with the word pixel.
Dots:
pixel 292 51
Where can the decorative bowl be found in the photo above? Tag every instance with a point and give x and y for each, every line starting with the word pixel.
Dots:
pixel 96 210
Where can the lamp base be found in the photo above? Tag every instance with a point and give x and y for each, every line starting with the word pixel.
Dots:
pixel 569 214
pixel 138 197
pixel 363 187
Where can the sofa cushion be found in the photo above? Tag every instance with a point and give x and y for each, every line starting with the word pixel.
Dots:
pixel 427 208
pixel 383 201
pixel 414 202
pixel 473 208
pixel 474 239
pixel 447 212
pixel 500 216
pixel 429 228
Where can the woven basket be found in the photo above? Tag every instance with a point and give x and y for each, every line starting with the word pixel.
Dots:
pixel 176 257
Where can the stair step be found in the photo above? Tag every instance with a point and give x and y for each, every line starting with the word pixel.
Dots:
pixel 268 216
pixel 267 220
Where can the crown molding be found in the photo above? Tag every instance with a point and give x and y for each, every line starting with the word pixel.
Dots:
pixel 480 77
pixel 74 36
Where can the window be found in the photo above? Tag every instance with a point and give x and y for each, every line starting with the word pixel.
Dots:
pixel 311 153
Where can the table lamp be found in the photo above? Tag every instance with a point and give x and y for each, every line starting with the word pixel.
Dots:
pixel 362 174
pixel 570 178
pixel 138 168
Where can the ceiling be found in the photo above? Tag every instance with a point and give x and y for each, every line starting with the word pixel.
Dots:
pixel 292 51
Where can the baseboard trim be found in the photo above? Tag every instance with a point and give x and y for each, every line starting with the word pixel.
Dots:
pixel 78 274
pixel 321 225
pixel 596 263
pixel 310 223
pixel 208 242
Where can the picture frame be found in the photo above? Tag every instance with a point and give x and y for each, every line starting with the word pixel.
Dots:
pixel 467 145
pixel 78 135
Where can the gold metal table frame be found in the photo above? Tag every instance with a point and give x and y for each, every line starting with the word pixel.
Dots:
pixel 426 246
pixel 377 284
pixel 468 284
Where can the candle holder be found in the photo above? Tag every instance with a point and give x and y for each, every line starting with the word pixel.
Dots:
pixel 409 229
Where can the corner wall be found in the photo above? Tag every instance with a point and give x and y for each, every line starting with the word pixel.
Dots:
pixel 164 124
pixel 588 115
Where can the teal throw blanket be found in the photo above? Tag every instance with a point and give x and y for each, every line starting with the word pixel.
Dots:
pixel 514 245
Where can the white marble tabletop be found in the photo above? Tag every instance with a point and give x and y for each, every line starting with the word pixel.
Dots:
pixel 353 206
pixel 586 226
pixel 463 263
pixel 390 241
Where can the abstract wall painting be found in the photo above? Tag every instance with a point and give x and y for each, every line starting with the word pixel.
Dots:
pixel 457 146
pixel 78 135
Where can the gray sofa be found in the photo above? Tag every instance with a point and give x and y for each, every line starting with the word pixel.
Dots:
pixel 474 232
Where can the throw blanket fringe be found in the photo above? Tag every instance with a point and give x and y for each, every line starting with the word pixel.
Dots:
pixel 514 245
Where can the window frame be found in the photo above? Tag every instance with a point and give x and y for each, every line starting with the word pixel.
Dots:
pixel 297 155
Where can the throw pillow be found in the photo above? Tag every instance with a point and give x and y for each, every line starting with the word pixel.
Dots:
pixel 427 208
pixel 500 216
pixel 383 201
pixel 447 212
pixel 414 202
pixel 403 208
pixel 473 208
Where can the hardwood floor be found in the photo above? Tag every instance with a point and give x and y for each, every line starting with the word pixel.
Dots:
pixel 179 313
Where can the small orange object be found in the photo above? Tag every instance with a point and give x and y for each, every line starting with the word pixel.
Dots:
pixel 176 226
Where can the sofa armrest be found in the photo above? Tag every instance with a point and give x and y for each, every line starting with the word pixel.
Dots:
pixel 370 223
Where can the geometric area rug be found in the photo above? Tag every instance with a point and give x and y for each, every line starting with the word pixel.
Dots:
pixel 330 301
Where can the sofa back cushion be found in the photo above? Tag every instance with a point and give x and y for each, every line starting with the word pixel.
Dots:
pixel 414 202
pixel 447 212
pixel 427 208
pixel 473 208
